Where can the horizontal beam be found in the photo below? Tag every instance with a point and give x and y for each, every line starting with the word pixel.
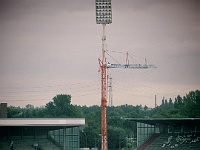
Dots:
pixel 42 121
pixel 131 66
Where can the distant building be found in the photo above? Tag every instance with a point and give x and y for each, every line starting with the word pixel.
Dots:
pixel 3 110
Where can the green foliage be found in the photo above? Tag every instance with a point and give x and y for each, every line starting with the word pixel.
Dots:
pixel 116 137
pixel 14 112
pixel 191 104
pixel 61 107
pixel 183 107
pixel 89 137
pixel 118 127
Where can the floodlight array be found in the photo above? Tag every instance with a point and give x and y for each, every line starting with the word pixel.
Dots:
pixel 103 12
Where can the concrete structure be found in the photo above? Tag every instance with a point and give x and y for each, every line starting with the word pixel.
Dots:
pixel 63 132
pixel 3 110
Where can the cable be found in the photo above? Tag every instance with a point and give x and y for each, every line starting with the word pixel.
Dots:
pixel 48 86
pixel 113 58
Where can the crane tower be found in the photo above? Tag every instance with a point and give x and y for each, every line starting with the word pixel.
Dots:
pixel 104 16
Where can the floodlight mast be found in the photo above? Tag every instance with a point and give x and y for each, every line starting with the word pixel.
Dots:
pixel 103 16
pixel 103 95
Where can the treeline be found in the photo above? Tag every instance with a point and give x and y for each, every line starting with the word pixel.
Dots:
pixel 121 132
pixel 187 106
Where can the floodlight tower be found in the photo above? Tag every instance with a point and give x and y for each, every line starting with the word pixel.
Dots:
pixel 103 16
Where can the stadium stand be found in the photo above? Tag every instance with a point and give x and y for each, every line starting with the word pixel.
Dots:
pixel 29 144
pixel 167 133
pixel 175 141
pixel 149 141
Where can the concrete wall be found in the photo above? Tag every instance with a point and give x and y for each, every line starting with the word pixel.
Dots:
pixel 3 110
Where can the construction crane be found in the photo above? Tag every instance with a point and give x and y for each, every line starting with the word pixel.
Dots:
pixel 104 65
pixel 127 65
pixel 104 16
pixel 131 66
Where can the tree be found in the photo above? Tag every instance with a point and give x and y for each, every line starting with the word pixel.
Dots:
pixel 163 102
pixel 61 107
pixel 145 107
pixel 191 104
pixel 14 112
pixel 166 103
pixel 116 137
pixel 89 137
pixel 40 112
pixel 183 107
pixel 178 102
pixel 170 103
pixel 50 110
pixel 29 111
pixel 115 121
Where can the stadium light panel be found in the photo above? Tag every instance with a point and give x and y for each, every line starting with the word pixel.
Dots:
pixel 103 12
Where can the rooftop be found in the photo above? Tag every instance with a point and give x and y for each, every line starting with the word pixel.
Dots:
pixel 168 121
pixel 42 121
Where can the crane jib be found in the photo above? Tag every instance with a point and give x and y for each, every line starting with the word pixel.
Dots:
pixel 131 66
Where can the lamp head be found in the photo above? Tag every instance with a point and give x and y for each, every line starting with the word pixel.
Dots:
pixel 103 12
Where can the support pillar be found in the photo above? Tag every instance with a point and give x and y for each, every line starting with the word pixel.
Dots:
pixel 103 94
pixel 64 138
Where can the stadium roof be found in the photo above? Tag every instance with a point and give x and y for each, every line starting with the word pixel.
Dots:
pixel 42 122
pixel 168 121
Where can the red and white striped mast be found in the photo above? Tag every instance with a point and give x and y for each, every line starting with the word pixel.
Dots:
pixel 103 16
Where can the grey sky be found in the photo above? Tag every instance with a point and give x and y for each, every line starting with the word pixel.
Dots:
pixel 52 47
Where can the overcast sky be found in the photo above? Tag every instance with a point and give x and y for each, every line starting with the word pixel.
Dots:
pixel 50 47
